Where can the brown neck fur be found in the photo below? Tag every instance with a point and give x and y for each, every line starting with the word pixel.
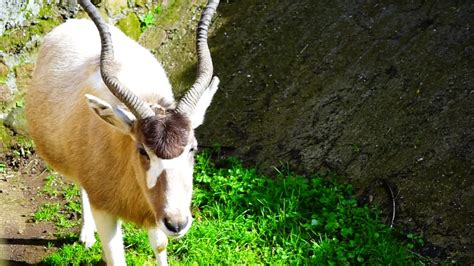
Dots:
pixel 112 174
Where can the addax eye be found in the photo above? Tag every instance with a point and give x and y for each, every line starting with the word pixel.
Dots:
pixel 142 151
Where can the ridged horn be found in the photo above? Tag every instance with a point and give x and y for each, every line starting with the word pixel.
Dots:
pixel 138 107
pixel 205 69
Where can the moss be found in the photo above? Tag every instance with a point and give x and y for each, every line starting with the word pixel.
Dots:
pixel 3 70
pixel 140 3
pixel 5 137
pixel 3 74
pixel 130 25
pixel 15 40
pixel 12 40
pixel 10 139
pixel 45 11
pixel 23 74
pixel 172 12
pixel 115 6
pixel 172 40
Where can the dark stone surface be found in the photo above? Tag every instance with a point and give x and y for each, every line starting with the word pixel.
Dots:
pixel 367 90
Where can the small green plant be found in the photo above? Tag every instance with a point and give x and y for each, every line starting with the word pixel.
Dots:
pixel 61 213
pixel 241 217
pixel 70 192
pixel 50 187
pixel 414 241
pixel 58 214
pixel 47 212
pixel 150 17
pixel 20 104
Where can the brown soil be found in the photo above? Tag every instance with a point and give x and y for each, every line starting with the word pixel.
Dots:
pixel 22 240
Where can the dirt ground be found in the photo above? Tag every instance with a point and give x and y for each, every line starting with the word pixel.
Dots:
pixel 22 240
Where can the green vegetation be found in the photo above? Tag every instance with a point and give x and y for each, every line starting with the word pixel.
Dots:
pixel 3 168
pixel 150 17
pixel 164 15
pixel 244 218
pixel 56 188
pixel 16 39
pixel 64 212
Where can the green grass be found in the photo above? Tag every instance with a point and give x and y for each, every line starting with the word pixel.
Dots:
pixel 65 209
pixel 244 218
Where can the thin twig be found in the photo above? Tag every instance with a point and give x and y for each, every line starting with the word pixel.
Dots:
pixel 389 187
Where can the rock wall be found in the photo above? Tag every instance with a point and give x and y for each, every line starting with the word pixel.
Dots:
pixel 365 89
pixel 22 25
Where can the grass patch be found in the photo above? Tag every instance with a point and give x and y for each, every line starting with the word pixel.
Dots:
pixel 64 212
pixel 244 218
pixel 75 254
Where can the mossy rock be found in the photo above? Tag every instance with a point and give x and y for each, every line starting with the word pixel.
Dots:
pixel 141 3
pixel 23 75
pixel 153 38
pixel 130 25
pixel 5 94
pixel 115 6
pixel 16 121
pixel 14 40
pixel 13 130
pixel 5 137
pixel 3 72
pixel 11 140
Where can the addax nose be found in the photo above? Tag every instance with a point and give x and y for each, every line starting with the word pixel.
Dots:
pixel 176 225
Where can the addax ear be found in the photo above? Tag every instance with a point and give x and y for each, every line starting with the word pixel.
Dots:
pixel 116 116
pixel 197 117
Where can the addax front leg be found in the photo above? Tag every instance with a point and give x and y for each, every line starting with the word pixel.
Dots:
pixel 88 225
pixel 110 233
pixel 159 241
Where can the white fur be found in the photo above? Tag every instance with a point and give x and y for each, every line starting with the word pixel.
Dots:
pixel 110 232
pixel 162 258
pixel 179 190
pixel 197 117
pixel 156 167
pixel 179 173
pixel 80 39
pixel 117 117
pixel 158 241
pixel 88 225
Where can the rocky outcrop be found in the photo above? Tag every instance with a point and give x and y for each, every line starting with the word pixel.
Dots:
pixel 363 89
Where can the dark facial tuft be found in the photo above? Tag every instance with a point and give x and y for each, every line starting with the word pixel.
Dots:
pixel 166 135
